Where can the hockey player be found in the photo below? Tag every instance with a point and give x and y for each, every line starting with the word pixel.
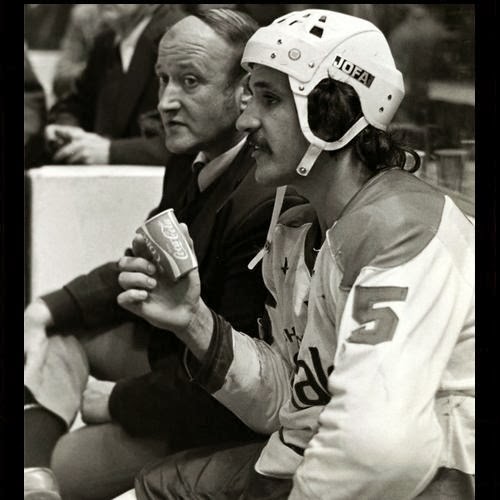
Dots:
pixel 368 385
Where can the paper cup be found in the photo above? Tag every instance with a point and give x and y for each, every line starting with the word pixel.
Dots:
pixel 169 247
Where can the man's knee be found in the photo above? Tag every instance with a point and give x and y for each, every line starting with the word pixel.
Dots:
pixel 211 472
pixel 165 479
pixel 64 464
pixel 59 382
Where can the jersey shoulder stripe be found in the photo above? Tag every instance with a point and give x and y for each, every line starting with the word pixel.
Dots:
pixel 387 223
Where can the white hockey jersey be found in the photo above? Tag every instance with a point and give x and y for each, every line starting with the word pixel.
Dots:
pixel 371 368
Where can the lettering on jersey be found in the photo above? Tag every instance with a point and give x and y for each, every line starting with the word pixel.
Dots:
pixel 285 267
pixel 290 334
pixel 311 382
pixel 349 68
pixel 363 311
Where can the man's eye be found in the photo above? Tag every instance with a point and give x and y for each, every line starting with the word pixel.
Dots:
pixel 190 81
pixel 269 99
pixel 163 79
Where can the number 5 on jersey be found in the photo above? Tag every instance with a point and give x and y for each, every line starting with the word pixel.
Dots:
pixel 386 320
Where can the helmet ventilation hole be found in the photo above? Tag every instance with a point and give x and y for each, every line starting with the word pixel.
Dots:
pixel 381 110
pixel 316 31
pixel 322 19
pixel 389 97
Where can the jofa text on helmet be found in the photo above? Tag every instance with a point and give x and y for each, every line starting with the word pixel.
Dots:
pixel 354 71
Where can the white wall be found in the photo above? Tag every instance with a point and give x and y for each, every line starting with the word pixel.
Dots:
pixel 84 216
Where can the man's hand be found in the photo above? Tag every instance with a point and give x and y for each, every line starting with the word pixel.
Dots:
pixel 56 136
pixel 37 318
pixel 86 149
pixel 166 304
pixel 95 399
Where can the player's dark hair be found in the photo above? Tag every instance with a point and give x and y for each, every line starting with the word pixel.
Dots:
pixel 333 107
pixel 235 28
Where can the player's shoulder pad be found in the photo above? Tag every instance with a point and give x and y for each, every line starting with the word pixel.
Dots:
pixel 298 215
pixel 390 221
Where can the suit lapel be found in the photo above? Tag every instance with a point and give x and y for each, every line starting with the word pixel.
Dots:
pixel 201 215
pixel 135 79
pixel 212 201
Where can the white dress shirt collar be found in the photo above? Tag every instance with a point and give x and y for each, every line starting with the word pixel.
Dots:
pixel 129 43
pixel 216 167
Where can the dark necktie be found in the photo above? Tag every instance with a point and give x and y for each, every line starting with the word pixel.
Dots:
pixel 193 189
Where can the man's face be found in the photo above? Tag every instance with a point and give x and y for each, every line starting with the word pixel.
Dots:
pixel 197 104
pixel 118 16
pixel 273 126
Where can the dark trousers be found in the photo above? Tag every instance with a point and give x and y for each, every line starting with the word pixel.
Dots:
pixel 223 473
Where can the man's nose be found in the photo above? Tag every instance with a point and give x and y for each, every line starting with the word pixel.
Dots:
pixel 169 98
pixel 247 121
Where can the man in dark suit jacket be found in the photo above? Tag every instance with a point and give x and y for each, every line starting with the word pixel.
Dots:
pixel 107 119
pixel 145 405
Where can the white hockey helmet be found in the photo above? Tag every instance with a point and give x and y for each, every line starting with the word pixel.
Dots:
pixel 314 44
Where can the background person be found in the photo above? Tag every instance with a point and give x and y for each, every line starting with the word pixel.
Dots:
pixel 154 409
pixel 368 385
pixel 84 25
pixel 102 121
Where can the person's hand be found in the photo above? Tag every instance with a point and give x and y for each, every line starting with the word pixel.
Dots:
pixel 166 304
pixel 86 149
pixel 57 136
pixel 37 318
pixel 95 402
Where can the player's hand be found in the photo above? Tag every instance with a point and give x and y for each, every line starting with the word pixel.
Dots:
pixel 166 304
pixel 95 402
pixel 86 149
pixel 37 318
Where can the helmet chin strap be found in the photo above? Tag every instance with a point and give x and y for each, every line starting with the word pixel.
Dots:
pixel 308 160
pixel 304 167
pixel 316 148
pixel 278 203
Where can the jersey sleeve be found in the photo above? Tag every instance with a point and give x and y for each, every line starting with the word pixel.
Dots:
pixel 257 383
pixel 379 436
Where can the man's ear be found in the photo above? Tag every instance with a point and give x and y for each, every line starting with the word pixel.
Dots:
pixel 241 94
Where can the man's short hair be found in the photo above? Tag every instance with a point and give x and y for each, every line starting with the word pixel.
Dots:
pixel 235 28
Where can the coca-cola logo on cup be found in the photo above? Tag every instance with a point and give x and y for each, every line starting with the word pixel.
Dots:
pixel 169 231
